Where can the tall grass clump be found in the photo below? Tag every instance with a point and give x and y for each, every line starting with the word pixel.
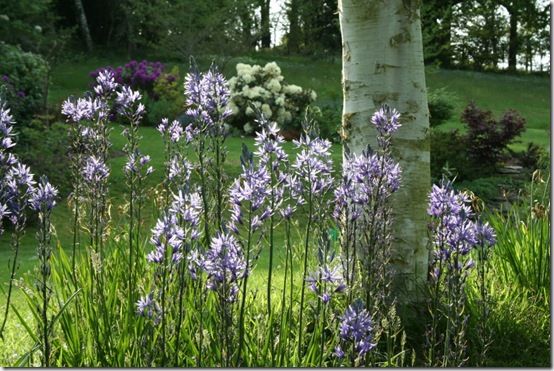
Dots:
pixel 517 284
pixel 523 251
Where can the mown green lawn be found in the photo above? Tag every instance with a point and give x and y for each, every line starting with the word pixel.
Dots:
pixel 498 92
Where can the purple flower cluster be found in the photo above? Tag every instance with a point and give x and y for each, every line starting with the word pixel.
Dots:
pixel 269 143
pixel 287 188
pixel 169 236
pixel 179 169
pixel 138 75
pixel 83 109
pixel 16 181
pixel 326 281
pixel 128 102
pixel 137 164
pixel 313 165
pixel 485 234
pixel 105 83
pixel 95 171
pixel 252 187
pixel 43 198
pixel 207 97
pixel 356 327
pixel 6 128
pixel 149 308
pixel 17 190
pixel 173 131
pixel 225 265
pixel 366 177
pixel 188 208
pixel 454 232
pixel 386 120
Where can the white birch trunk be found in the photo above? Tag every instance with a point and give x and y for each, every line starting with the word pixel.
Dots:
pixel 382 56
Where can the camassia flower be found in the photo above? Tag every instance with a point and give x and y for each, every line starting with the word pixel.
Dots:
pixel 137 164
pixel 386 120
pixel 105 83
pixel 17 189
pixel 44 196
pixel 454 230
pixel 176 228
pixel 207 98
pixel 149 308
pixel 167 237
pixel 225 265
pixel 252 188
pixel 313 165
pixel 366 177
pixel 174 130
pixel 326 281
pixel 95 171
pixel 356 328
pixel 6 127
pixel 269 143
pixel 82 108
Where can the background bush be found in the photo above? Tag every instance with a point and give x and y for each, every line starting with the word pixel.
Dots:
pixel 441 106
pixel 265 89
pixel 138 75
pixel 44 148
pixel 488 138
pixel 22 81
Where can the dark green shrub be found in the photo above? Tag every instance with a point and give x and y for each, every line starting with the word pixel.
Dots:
pixel 158 109
pixel 533 157
pixel 450 152
pixel 441 106
pixel 329 120
pixel 22 81
pixel 44 148
pixel 492 187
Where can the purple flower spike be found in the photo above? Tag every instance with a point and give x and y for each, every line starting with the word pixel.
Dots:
pixel 95 170
pixel 386 120
pixel 356 327
pixel 44 196
pixel 225 265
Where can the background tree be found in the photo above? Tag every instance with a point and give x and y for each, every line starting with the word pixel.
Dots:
pixel 436 19
pixel 313 26
pixel 382 56
pixel 294 34
pixel 82 17
pixel 481 33
pixel 265 6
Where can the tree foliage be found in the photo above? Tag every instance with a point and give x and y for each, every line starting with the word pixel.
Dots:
pixel 486 34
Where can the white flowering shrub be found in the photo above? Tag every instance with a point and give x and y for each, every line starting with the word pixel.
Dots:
pixel 265 89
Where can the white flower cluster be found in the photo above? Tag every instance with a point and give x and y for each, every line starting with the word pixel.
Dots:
pixel 265 89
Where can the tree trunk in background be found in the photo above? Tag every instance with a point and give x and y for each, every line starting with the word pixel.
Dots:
pixel 246 20
pixel 445 55
pixel 83 23
pixel 513 44
pixel 266 30
pixel 293 39
pixel 382 56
